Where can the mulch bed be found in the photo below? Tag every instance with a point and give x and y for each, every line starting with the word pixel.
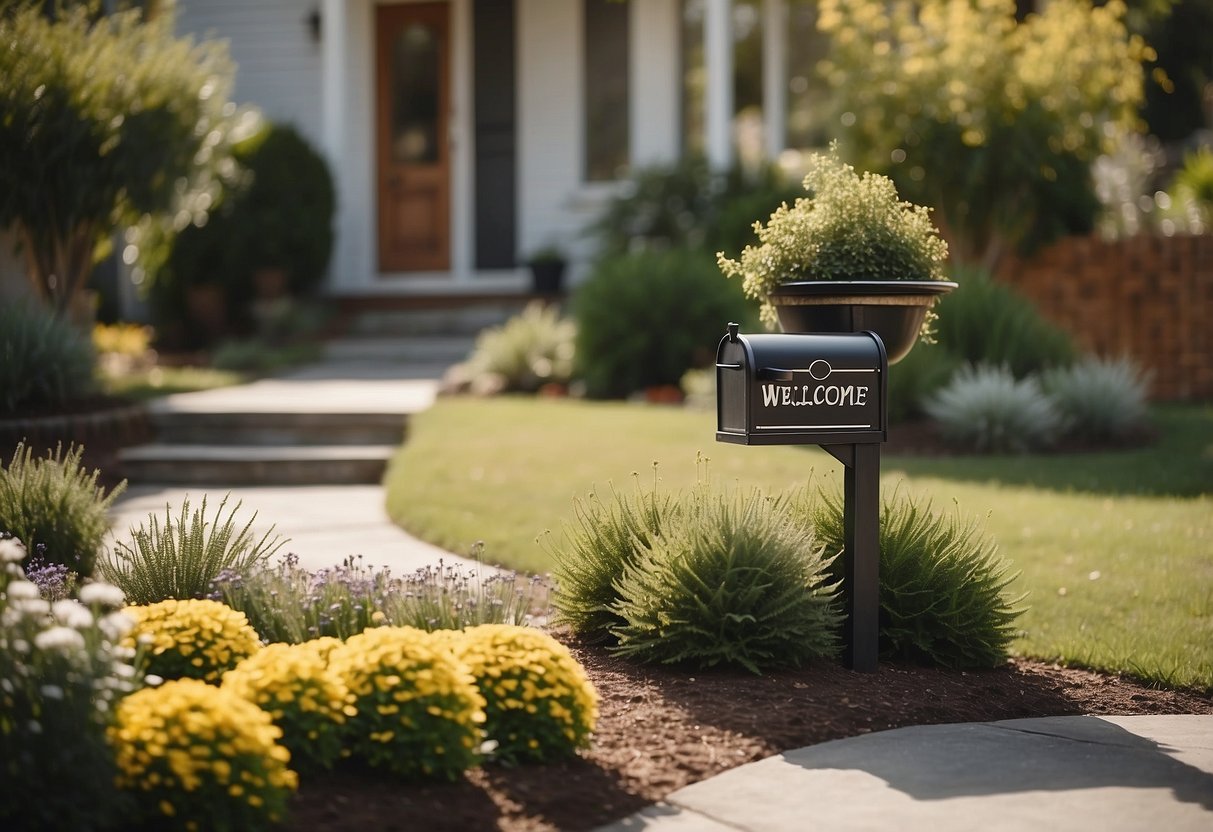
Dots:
pixel 663 728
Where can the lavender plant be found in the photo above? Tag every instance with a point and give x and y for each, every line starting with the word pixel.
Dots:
pixel 290 604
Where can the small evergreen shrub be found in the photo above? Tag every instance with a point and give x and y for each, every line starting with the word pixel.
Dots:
pixel 195 639
pixel 307 701
pixel 942 584
pixel 57 508
pixel 197 756
pixel 988 322
pixel 276 213
pixel 688 205
pixel 289 604
pixel 985 409
pixel 735 581
pixel 62 671
pixel 181 558
pixel 603 539
pixel 419 713
pixel 45 362
pixel 1099 399
pixel 644 319
pixel 539 703
pixel 529 350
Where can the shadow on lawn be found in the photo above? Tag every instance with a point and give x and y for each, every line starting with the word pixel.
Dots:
pixel 1178 463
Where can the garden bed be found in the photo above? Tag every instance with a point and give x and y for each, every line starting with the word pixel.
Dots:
pixel 662 729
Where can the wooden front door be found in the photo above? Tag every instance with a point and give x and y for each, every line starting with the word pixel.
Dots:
pixel 413 168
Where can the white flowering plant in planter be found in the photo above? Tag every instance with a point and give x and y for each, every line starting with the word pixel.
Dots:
pixel 850 227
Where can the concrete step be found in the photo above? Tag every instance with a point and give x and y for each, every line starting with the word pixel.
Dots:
pixel 465 320
pixel 439 351
pixel 176 427
pixel 186 464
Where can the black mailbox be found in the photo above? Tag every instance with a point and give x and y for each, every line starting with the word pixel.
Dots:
pixel 801 389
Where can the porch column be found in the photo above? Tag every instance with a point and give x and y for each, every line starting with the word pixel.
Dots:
pixel 774 75
pixel 333 78
pixel 718 104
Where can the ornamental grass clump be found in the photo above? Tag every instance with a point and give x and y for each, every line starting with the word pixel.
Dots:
pixel 604 538
pixel 62 671
pixel 45 361
pixel 196 756
pixel 531 349
pixel 194 639
pixel 736 580
pixel 986 409
pixel 539 703
pixel 307 700
pixel 55 506
pixel 181 558
pixel 419 714
pixel 943 588
pixel 1099 399
pixel 850 227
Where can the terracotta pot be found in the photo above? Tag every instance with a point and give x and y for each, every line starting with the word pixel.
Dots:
pixel 893 309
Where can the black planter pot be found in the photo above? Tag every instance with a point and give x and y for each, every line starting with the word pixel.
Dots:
pixel 547 277
pixel 893 309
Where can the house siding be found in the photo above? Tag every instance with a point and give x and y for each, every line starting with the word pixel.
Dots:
pixel 277 60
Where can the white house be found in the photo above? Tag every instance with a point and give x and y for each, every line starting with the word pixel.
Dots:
pixel 464 134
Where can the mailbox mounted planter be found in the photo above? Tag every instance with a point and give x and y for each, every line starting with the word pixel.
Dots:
pixel 893 309
pixel 800 389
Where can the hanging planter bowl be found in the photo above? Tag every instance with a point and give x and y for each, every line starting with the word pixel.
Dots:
pixel 893 309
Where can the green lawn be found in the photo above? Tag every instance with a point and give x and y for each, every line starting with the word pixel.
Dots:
pixel 1116 549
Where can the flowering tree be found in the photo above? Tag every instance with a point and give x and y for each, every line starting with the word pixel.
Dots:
pixel 103 118
pixel 992 121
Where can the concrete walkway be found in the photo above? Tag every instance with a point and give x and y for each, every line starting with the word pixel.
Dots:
pixel 1067 773
pixel 1062 773
pixel 324 524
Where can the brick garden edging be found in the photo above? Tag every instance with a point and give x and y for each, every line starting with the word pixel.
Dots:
pixel 1148 297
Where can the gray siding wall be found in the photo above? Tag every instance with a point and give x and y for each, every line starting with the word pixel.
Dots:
pixel 277 60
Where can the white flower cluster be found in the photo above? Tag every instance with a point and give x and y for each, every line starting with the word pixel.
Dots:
pixel 68 651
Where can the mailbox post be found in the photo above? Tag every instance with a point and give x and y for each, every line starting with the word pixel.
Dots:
pixel 827 390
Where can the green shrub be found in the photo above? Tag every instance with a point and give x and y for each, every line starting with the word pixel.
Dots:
pixel 193 639
pixel 61 674
pixel 602 541
pixel 1099 399
pixel 419 712
pixel 56 508
pixel 196 756
pixel 529 350
pixel 539 703
pixel 687 205
pixel 306 700
pixel 290 604
pixel 734 581
pixel 986 409
pixel 942 584
pixel 277 215
pixel 644 319
pixel 181 558
pixel 987 322
pixel 45 362
pixel 1193 185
